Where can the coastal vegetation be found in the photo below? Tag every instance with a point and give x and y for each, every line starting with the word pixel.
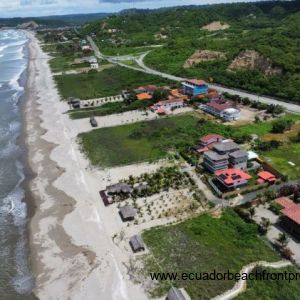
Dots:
pixel 204 244
pixel 272 289
pixel 108 82
pixel 152 140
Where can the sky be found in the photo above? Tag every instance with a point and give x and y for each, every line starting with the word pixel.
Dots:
pixel 30 8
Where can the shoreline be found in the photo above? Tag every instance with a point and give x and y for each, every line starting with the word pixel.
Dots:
pixel 32 99
pixel 72 252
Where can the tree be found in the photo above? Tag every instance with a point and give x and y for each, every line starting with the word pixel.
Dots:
pixel 160 94
pixel 283 239
pixel 281 126
pixel 252 212
pixel 265 224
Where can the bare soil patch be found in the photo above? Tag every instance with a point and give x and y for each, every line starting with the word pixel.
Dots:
pixel 201 56
pixel 252 60
pixel 215 26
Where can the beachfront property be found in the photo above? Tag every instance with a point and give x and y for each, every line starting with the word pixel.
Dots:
pixel 137 244
pixel 194 87
pixel 213 161
pixel 223 155
pixel 226 147
pixel 94 66
pixel 176 93
pixel 143 96
pixel 222 109
pixel 165 106
pixel 149 89
pixel 127 213
pixel 208 141
pixel 119 188
pixel 290 218
pixel 238 159
pixel 232 178
pixel 266 177
pixel 115 189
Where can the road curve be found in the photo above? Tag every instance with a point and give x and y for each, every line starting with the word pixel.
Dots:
pixel 240 286
pixel 294 108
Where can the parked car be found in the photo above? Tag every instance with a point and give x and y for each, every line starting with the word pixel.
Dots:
pixel 93 122
pixel 74 102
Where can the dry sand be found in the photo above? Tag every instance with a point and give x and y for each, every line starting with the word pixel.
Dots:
pixel 129 117
pixel 73 255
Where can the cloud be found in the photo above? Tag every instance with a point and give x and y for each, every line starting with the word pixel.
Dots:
pixel 23 8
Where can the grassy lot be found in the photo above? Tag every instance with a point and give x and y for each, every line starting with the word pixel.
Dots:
pixel 279 158
pixel 145 140
pixel 64 63
pixel 275 290
pixel 152 140
pixel 204 244
pixel 137 142
pixel 263 128
pixel 109 82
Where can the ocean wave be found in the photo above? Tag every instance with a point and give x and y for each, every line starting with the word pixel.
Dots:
pixel 18 43
pixel 10 132
pixel 13 203
pixel 10 150
pixel 23 281
pixel 18 54
pixel 14 82
pixel 3 47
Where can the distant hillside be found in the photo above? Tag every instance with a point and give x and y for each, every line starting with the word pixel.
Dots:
pixel 271 30
pixel 54 21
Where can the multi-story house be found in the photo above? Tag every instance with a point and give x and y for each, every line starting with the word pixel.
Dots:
pixel 194 87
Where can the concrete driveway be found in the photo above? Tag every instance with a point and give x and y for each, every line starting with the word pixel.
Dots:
pixel 275 230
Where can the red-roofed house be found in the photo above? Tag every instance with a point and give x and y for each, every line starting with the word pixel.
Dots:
pixel 143 96
pixel 290 215
pixel 266 177
pixel 207 142
pixel 175 93
pixel 285 202
pixel 147 89
pixel 222 109
pixel 232 178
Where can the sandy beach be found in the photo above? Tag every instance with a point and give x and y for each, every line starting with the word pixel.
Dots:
pixel 73 255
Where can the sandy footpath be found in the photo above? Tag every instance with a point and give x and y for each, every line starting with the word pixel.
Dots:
pixel 72 252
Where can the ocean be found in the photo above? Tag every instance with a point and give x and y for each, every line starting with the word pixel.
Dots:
pixel 16 281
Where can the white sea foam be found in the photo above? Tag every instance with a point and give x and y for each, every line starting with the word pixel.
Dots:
pixel 13 210
pixel 23 281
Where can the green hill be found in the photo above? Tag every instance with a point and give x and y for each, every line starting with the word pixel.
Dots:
pixel 271 29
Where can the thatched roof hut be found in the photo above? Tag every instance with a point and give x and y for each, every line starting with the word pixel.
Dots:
pixel 137 243
pixel 119 188
pixel 127 213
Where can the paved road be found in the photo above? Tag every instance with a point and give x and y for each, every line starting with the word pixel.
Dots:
pixel 140 61
pixel 241 285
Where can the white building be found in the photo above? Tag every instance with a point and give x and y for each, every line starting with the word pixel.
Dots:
pixel 230 114
pixel 222 109
pixel 94 66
